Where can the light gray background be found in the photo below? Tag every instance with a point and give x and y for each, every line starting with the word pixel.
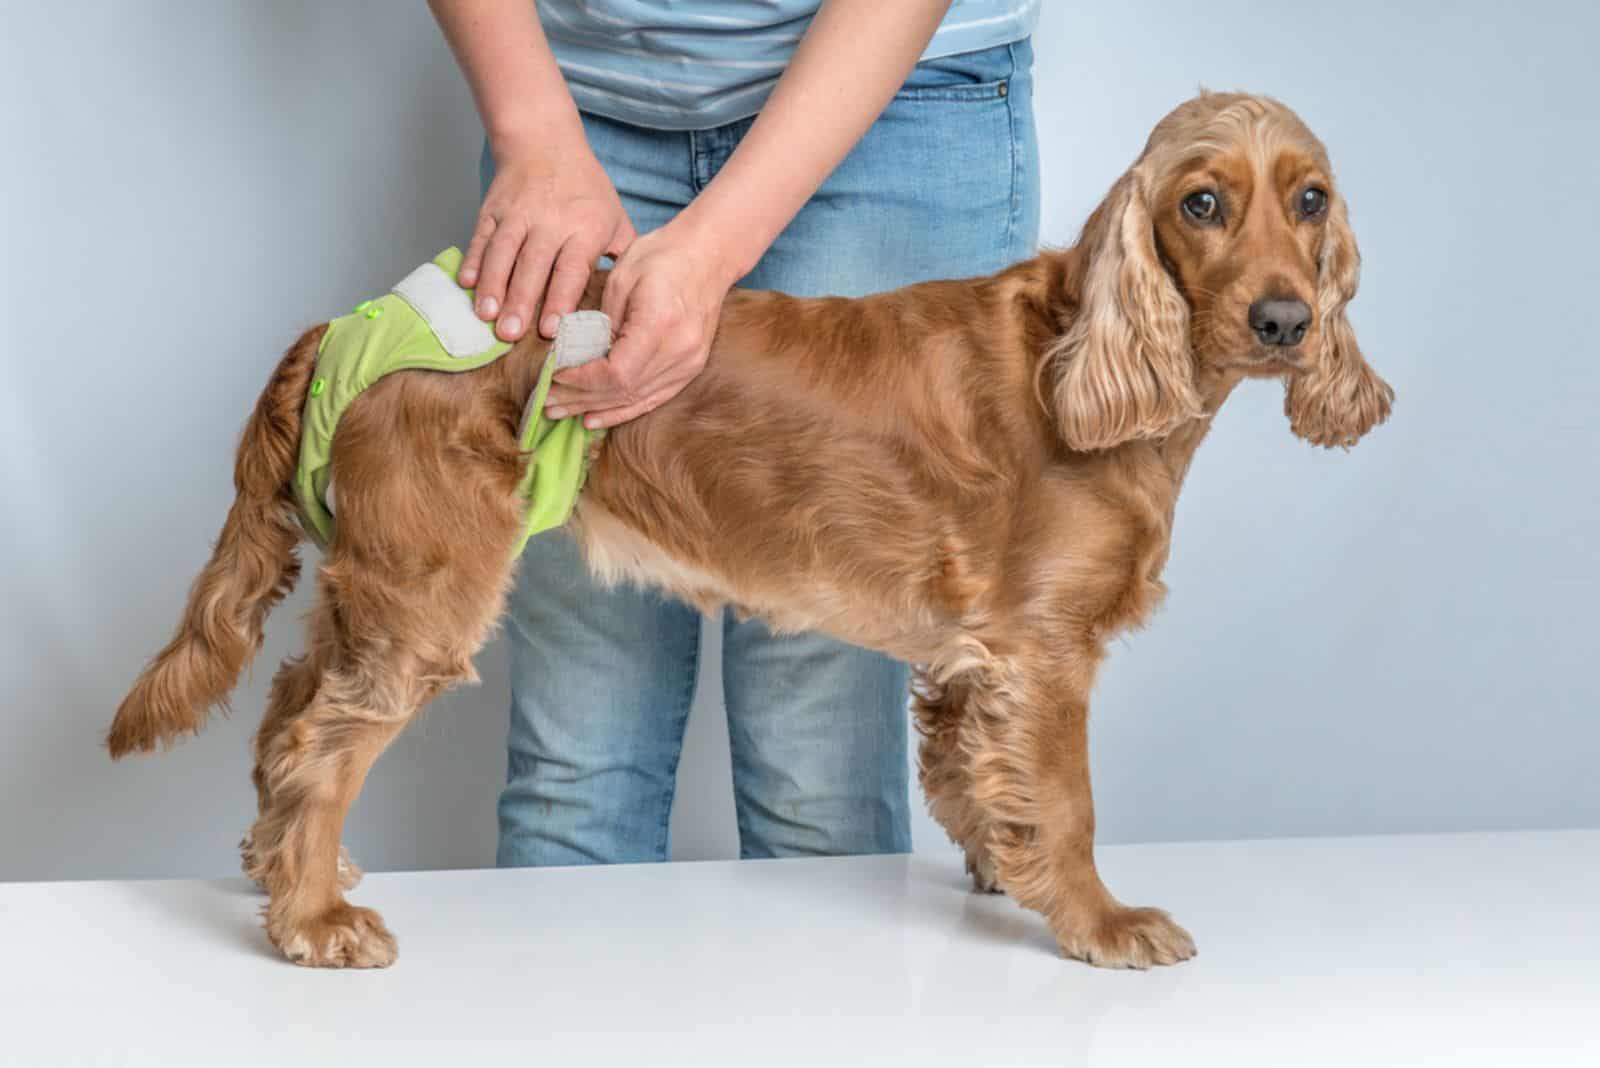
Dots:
pixel 1395 639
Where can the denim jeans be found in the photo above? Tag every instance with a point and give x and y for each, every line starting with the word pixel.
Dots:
pixel 944 184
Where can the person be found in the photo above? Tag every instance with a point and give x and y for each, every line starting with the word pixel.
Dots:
pixel 841 147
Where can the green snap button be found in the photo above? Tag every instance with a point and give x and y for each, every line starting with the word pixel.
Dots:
pixel 318 386
pixel 363 306
pixel 374 311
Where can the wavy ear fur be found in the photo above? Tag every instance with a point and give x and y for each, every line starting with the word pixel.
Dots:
pixel 1339 397
pixel 1123 369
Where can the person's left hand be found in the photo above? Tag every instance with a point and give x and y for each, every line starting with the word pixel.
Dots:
pixel 664 296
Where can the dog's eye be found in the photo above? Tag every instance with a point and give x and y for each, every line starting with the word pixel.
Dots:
pixel 1313 202
pixel 1201 206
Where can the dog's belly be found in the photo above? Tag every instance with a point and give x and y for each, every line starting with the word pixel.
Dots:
pixel 616 553
pixel 789 602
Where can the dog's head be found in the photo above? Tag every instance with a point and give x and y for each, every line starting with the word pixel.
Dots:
pixel 1225 248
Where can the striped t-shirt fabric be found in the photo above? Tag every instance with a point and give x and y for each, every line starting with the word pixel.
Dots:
pixel 695 64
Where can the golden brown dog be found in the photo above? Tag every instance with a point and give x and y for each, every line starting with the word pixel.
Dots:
pixel 977 477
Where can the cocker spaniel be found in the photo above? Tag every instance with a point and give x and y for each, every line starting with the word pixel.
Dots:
pixel 977 477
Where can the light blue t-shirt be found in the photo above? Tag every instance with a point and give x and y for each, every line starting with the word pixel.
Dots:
pixel 694 64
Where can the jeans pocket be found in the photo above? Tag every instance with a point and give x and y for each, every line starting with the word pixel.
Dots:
pixel 967 76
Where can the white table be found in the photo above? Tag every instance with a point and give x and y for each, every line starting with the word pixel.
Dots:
pixel 1449 949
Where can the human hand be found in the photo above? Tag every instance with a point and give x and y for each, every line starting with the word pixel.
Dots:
pixel 665 295
pixel 545 220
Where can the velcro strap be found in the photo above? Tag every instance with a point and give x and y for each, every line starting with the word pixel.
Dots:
pixel 581 337
pixel 447 309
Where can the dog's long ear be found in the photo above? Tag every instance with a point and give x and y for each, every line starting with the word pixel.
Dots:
pixel 1123 369
pixel 1338 397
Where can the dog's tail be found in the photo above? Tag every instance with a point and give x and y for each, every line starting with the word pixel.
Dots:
pixel 254 565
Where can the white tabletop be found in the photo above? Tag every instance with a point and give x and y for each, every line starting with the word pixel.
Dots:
pixel 1450 949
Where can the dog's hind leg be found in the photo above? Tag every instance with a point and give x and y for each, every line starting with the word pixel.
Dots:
pixel 292 690
pixel 429 513
pixel 313 767
pixel 293 687
pixel 390 633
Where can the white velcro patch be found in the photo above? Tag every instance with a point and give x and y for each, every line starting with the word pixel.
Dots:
pixel 447 309
pixel 581 337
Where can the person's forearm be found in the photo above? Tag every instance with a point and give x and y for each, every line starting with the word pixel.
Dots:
pixel 854 57
pixel 518 89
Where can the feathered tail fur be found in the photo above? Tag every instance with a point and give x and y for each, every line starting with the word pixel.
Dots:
pixel 254 565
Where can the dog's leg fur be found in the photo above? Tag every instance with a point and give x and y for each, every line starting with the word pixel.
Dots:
pixel 946 783
pixel 293 687
pixel 292 690
pixel 1030 774
pixel 313 768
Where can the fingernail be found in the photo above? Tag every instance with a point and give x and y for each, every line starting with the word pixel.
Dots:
pixel 556 413
pixel 592 422
pixel 550 325
pixel 510 326
pixel 488 306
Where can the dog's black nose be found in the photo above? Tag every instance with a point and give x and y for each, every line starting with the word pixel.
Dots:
pixel 1280 322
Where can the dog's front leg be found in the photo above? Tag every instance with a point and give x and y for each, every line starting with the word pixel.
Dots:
pixel 1031 775
pixel 946 774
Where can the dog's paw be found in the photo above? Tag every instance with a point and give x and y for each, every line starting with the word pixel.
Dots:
pixel 344 936
pixel 1127 938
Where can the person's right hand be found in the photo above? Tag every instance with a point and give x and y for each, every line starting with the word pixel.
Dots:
pixel 545 220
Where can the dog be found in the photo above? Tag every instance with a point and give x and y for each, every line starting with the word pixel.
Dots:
pixel 977 477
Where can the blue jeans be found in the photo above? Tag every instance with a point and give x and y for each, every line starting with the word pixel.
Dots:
pixel 944 184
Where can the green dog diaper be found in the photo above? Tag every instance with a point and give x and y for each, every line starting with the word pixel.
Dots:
pixel 427 323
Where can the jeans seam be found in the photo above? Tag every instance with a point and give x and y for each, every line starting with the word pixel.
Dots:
pixel 976 93
pixel 1011 131
pixel 685 702
pixel 740 827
